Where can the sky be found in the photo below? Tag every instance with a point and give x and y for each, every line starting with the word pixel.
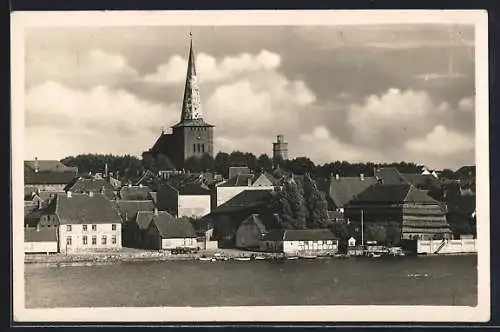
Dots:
pixel 378 93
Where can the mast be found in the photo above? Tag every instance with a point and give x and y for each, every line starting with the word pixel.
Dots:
pixel 362 230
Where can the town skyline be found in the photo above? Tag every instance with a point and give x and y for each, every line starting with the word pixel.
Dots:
pixel 422 114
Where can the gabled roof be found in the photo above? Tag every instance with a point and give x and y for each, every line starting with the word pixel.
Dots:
pixel 43 234
pixel 245 199
pixel 188 184
pixel 49 166
pixel 345 189
pixel 85 209
pixel 134 193
pixel 170 227
pixel 129 209
pixel 299 235
pixel 390 175
pixel 47 177
pixel 85 185
pixel 263 222
pixel 395 194
pixel 421 180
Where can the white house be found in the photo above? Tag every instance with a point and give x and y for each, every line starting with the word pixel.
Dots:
pixel 40 240
pixel 166 232
pixel 315 241
pixel 184 200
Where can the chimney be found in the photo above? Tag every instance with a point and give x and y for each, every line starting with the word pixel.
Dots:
pixel 36 165
pixel 362 177
pixel 337 177
pixel 68 193
pixel 155 211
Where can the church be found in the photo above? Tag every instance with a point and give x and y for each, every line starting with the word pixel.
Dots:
pixel 192 136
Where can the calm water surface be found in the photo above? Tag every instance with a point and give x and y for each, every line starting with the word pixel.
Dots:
pixel 412 281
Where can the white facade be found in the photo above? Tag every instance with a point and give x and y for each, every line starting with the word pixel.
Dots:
pixel 295 247
pixel 446 246
pixel 224 194
pixel 351 242
pixel 83 237
pixel 40 247
pixel 193 205
pixel 179 243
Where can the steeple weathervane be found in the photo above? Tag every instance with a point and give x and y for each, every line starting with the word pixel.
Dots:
pixel 191 105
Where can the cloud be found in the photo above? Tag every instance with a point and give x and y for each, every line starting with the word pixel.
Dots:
pixel 211 70
pixel 385 119
pixel 466 104
pixel 441 142
pixel 96 120
pixel 78 69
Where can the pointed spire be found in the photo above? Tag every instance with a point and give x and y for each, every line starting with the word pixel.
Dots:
pixel 191 104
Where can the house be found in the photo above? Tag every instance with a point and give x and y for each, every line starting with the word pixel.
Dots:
pixel 165 232
pixel 85 222
pixel 183 197
pixel 300 241
pixel 82 185
pixel 227 217
pixel 128 211
pixel 253 229
pixel 400 209
pixel 46 180
pixel 341 190
pixel 134 193
pixel 49 166
pixel 241 182
pixel 40 240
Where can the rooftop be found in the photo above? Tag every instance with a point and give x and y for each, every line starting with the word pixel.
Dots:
pixel 43 234
pixel 85 209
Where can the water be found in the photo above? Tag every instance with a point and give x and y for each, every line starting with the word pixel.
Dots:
pixel 408 281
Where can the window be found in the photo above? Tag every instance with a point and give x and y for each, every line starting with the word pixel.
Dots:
pixel 104 240
pixel 94 227
pixel 94 240
pixel 113 239
pixel 68 240
pixel 84 240
pixel 203 148
pixel 194 147
pixel 68 228
pixel 320 242
pixel 113 227
pixel 328 241
pixel 84 228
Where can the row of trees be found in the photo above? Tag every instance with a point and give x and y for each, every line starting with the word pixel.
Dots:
pixel 301 204
pixel 121 166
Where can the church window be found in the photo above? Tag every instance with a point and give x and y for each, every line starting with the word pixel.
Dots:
pixel 203 148
pixel 194 147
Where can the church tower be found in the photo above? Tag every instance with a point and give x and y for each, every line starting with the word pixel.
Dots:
pixel 280 149
pixel 191 136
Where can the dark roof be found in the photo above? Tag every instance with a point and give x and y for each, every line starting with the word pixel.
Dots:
pixel 245 199
pixel 49 166
pixel 136 193
pixel 85 209
pixel 421 180
pixel 262 221
pixel 345 189
pixel 170 227
pixel 236 170
pixel 299 235
pixel 188 184
pixel 240 180
pixel 154 196
pixel 129 209
pixel 397 193
pixel 47 177
pixel 390 175
pixel 43 234
pixel 143 219
pixel 85 185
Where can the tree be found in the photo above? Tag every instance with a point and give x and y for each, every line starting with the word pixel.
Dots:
pixel 251 162
pixel 265 162
pixel 221 163
pixel 207 162
pixel 289 204
pixel 315 203
pixel 193 164
pixel 237 158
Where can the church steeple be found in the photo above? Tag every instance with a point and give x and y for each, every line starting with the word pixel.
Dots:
pixel 191 104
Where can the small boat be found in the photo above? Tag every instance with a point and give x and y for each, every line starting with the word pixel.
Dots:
pixel 308 256
pixel 374 255
pixel 292 258
pixel 242 258
pixel 206 259
pixel 259 258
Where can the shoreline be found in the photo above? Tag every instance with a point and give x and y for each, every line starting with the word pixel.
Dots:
pixel 90 259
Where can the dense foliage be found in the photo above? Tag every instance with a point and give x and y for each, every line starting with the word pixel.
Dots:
pixel 121 166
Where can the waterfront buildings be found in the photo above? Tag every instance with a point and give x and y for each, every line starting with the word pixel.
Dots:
pixel 300 241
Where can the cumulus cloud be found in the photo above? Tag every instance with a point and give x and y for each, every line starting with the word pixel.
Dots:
pixel 79 69
pixel 441 142
pixel 386 119
pixel 210 69
pixel 95 120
